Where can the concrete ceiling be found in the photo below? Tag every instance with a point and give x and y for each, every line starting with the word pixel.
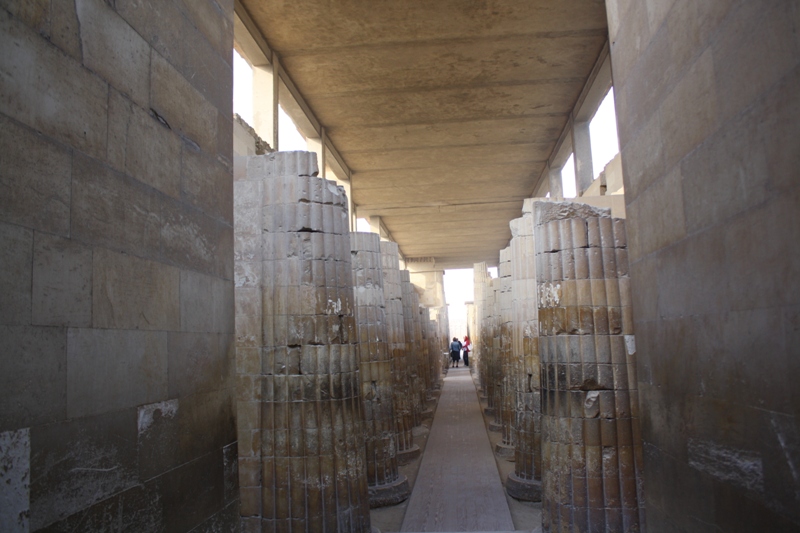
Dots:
pixel 445 110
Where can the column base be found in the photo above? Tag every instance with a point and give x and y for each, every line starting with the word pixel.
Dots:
pixel 390 494
pixel 488 411
pixel 505 451
pixel 494 426
pixel 527 490
pixel 406 456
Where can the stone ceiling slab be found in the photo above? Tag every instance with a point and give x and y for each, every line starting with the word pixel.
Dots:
pixel 446 111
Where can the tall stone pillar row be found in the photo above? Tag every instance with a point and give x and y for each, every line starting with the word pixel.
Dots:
pixel 407 451
pixel 524 483
pixel 386 485
pixel 591 445
pixel 301 453
pixel 507 366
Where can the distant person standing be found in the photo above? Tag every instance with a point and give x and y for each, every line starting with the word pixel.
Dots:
pixel 466 346
pixel 455 352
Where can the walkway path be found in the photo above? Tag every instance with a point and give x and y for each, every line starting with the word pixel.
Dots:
pixel 458 486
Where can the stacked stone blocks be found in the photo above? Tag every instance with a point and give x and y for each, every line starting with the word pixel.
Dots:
pixel 591 447
pixel 386 486
pixel 525 482
pixel 396 337
pixel 299 410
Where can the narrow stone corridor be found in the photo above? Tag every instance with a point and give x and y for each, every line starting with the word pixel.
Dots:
pixel 458 487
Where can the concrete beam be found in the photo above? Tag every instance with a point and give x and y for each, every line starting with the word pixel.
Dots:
pixel 582 152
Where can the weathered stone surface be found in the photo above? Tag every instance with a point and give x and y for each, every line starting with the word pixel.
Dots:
pixel 142 147
pixel 110 369
pixel 33 376
pixel 65 28
pixel 16 244
pixel 206 302
pixel 592 466
pixel 198 362
pixel 299 408
pixel 181 105
pixel 525 482
pixel 112 49
pixel 174 35
pixel 50 92
pixel 62 282
pixel 80 462
pixel 376 368
pixel 206 183
pixel 114 211
pixel 35 177
pixel 15 476
pixel 133 293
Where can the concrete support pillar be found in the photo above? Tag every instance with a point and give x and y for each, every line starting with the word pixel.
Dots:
pixel 524 483
pixel 506 365
pixel 556 185
pixel 301 442
pixel 265 104
pixel 317 145
pixel 582 156
pixel 386 486
pixel 413 347
pixel 591 452
pixel 374 224
pixel 396 337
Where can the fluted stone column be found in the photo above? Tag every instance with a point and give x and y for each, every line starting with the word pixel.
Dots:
pixel 386 485
pixel 482 283
pixel 480 275
pixel 301 440
pixel 487 345
pixel 425 370
pixel 524 483
pixel 496 361
pixel 407 451
pixel 507 367
pixel 413 347
pixel 591 449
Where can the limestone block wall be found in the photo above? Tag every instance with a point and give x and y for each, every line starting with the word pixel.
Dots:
pixel 710 173
pixel 116 240
pixel 386 485
pixel 396 337
pixel 299 409
pixel 525 482
pixel 591 445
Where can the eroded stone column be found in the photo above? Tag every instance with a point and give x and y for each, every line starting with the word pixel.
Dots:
pixel 395 333
pixel 495 366
pixel 413 332
pixel 524 483
pixel 481 281
pixel 386 486
pixel 591 449
pixel 299 415
pixel 506 363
